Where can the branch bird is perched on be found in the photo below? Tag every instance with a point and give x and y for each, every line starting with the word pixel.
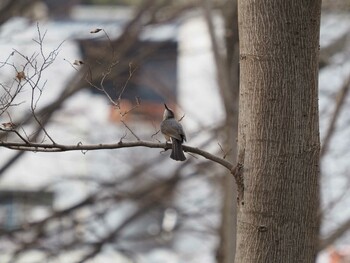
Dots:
pixel 172 129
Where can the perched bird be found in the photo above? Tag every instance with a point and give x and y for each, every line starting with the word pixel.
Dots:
pixel 172 129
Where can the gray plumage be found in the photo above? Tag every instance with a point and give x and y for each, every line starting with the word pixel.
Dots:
pixel 172 130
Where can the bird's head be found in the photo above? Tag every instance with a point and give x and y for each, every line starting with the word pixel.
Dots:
pixel 168 113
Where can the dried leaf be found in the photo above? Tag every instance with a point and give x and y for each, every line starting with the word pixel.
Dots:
pixel 20 75
pixel 8 125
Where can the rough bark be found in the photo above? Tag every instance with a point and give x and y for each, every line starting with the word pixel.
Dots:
pixel 278 131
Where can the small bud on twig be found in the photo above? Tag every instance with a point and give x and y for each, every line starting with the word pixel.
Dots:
pixel 78 62
pixel 138 101
pixel 94 31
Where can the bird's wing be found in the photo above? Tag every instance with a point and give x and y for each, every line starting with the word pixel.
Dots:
pixel 173 129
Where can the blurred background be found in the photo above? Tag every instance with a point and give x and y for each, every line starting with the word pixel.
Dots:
pixel 92 72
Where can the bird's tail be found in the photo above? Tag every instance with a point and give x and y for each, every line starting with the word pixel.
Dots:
pixel 177 152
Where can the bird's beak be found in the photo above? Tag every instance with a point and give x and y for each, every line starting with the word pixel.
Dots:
pixel 166 106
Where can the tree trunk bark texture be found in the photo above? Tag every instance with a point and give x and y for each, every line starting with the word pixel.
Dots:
pixel 278 131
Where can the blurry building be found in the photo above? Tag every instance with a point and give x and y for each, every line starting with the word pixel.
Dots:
pixel 144 77
pixel 20 206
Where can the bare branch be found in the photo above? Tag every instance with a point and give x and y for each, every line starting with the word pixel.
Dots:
pixel 40 147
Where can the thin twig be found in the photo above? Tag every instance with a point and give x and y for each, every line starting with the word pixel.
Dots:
pixel 130 130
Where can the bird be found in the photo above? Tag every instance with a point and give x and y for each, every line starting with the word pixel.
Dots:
pixel 172 130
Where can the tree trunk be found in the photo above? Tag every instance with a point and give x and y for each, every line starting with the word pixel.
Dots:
pixel 278 131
